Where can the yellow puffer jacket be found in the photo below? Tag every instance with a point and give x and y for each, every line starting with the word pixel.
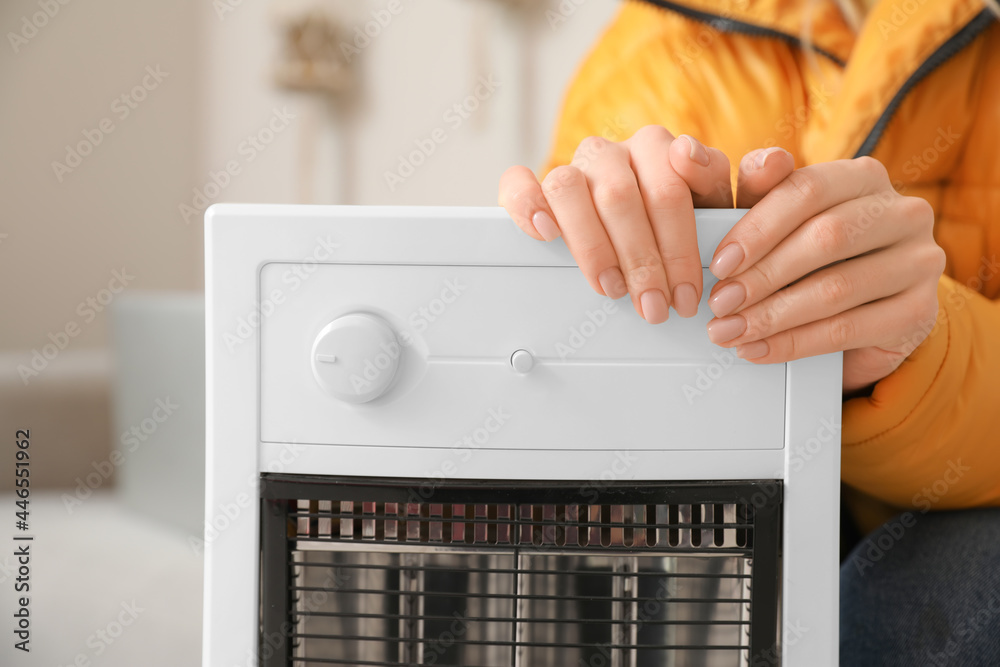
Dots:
pixel 919 89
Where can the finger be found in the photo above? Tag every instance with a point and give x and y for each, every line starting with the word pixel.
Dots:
pixel 760 171
pixel 873 324
pixel 827 293
pixel 803 194
pixel 569 198
pixel 705 170
pixel 668 205
pixel 844 231
pixel 521 195
pixel 620 206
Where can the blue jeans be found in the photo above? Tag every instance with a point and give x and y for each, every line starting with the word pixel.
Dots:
pixel 924 591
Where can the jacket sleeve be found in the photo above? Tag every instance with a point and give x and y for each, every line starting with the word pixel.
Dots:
pixel 929 435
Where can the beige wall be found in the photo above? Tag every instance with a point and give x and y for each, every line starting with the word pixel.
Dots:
pixel 119 208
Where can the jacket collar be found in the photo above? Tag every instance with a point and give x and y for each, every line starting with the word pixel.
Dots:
pixel 895 48
pixel 831 35
pixel 901 42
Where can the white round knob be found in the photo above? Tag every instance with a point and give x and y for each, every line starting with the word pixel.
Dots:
pixel 355 357
pixel 522 361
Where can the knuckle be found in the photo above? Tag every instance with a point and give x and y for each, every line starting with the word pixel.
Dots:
pixel 767 315
pixel 841 331
pixel 756 325
pixel 918 211
pixel 791 347
pixel 933 258
pixel 613 192
pixel 759 320
pixel 653 134
pixel 834 288
pixel 562 180
pixel 763 277
pixel 590 147
pixel 642 269
pixel 782 347
pixel 591 252
pixel 683 268
pixel 522 199
pixel 667 194
pixel 872 167
pixel 802 186
pixel 828 234
pixel 752 230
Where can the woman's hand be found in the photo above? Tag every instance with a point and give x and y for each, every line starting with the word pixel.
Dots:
pixel 626 211
pixel 831 259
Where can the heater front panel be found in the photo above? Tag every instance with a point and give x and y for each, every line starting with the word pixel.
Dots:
pixel 598 383
pixel 373 572
pixel 425 356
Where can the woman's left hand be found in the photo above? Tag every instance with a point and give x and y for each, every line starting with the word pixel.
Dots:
pixel 831 259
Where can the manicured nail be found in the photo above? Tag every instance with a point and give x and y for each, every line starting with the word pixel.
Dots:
pixel 760 159
pixel 724 330
pixel 613 283
pixel 727 260
pixel 727 299
pixel 654 306
pixel 546 226
pixel 753 350
pixel 696 151
pixel 686 300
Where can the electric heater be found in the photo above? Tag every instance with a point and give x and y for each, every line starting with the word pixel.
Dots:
pixel 431 443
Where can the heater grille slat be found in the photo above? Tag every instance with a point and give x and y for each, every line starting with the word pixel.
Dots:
pixel 674 575
pixel 515 575
pixel 522 620
pixel 519 596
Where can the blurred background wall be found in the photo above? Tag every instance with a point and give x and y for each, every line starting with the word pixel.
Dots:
pixel 66 231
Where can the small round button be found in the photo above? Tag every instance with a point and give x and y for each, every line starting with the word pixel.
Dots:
pixel 522 361
pixel 355 357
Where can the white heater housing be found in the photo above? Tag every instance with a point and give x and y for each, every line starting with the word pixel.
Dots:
pixel 443 344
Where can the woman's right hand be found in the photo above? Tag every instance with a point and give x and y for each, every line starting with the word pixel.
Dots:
pixel 626 211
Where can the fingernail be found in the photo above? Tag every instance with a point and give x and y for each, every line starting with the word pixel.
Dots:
pixel 696 151
pixel 724 330
pixel 613 283
pixel 753 350
pixel 727 260
pixel 686 300
pixel 760 159
pixel 654 306
pixel 727 299
pixel 546 226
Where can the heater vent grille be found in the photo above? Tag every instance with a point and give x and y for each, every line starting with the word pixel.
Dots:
pixel 725 526
pixel 366 573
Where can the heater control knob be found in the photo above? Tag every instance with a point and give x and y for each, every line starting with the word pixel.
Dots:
pixel 355 357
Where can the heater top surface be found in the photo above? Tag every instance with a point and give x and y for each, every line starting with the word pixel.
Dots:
pixel 422 328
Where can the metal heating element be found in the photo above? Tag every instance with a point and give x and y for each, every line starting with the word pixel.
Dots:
pixel 389 572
